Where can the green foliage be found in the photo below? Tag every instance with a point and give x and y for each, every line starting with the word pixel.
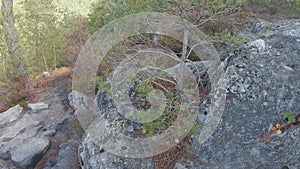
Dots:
pixel 6 62
pixel 105 11
pixel 3 56
pixel 166 119
pixel 214 16
pixel 194 129
pixel 40 34
pixel 155 126
pixel 41 26
pixel 78 7
pixel 145 87
pixel 224 35
pixel 289 116
pixel 101 84
pixel 228 37
pixel 170 95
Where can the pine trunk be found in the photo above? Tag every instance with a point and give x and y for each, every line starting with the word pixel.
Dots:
pixel 12 40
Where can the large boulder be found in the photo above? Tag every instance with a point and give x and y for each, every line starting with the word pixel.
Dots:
pixel 262 84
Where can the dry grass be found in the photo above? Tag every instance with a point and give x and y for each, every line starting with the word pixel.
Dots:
pixel 54 73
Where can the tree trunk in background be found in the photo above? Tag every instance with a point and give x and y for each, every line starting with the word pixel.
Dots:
pixel 17 75
pixel 12 40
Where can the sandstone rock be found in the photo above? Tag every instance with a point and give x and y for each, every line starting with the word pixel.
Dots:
pixel 84 108
pixel 94 156
pixel 259 88
pixel 77 99
pixel 34 107
pixel 27 121
pixel 49 132
pixel 24 141
pixel 10 115
pixel 29 153
pixel 9 143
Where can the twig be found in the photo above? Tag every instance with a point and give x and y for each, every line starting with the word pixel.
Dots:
pixel 280 127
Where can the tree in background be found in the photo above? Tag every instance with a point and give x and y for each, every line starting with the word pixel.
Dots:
pixel 31 42
pixel 12 41
pixel 17 72
pixel 41 35
pixel 196 11
pixel 3 54
pixel 105 11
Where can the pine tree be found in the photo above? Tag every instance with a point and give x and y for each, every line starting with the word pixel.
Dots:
pixel 41 35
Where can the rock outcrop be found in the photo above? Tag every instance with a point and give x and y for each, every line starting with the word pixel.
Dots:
pixel 262 81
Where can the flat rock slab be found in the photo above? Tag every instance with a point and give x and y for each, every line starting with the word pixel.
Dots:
pixel 10 115
pixel 30 153
pixel 27 121
pixel 34 107
pixel 15 140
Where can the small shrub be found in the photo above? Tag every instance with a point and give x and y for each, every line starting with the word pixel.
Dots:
pixel 18 93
